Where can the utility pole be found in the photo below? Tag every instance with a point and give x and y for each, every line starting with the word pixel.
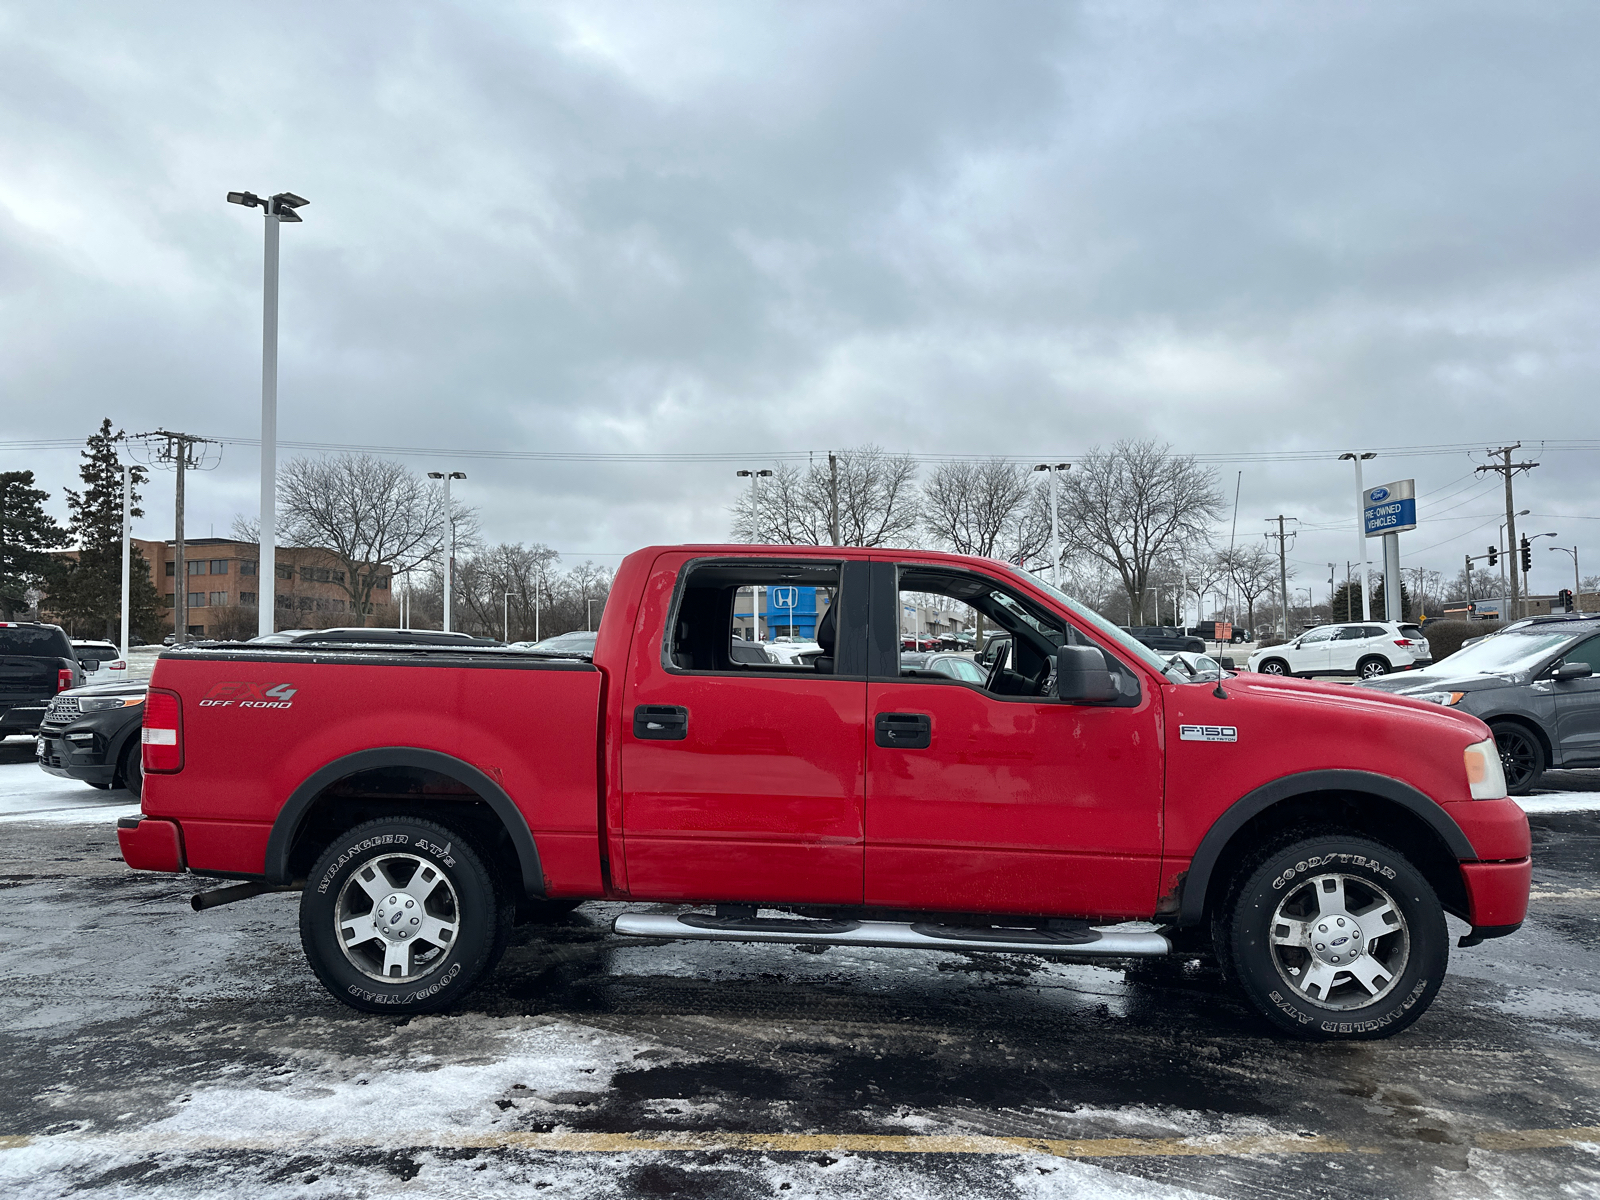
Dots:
pixel 184 452
pixel 1507 469
pixel 833 497
pixel 1283 562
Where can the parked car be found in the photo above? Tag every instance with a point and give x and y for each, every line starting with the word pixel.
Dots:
pixel 1206 631
pixel 950 665
pixel 1200 665
pixel 922 641
pixel 1537 687
pixel 92 733
pixel 996 646
pixel 1366 649
pixel 36 663
pixel 753 653
pixel 421 801
pixel 372 636
pixel 102 662
pixel 580 643
pixel 1166 638
pixel 788 652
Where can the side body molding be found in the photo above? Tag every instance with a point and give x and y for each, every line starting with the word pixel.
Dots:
pixel 281 840
pixel 1198 879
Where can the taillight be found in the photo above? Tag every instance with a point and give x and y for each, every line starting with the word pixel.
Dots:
pixel 119 665
pixel 1404 642
pixel 163 732
pixel 63 679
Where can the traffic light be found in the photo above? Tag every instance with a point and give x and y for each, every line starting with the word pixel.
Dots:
pixel 1527 556
pixel 1564 598
pixel 1494 555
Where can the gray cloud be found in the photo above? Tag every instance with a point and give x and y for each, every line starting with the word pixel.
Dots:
pixel 1018 228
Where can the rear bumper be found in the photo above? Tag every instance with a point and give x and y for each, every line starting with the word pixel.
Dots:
pixel 1497 893
pixel 151 844
pixel 23 718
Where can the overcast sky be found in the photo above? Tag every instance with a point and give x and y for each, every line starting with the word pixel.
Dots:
pixel 1012 228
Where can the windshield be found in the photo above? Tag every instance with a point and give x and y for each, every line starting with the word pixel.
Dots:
pixel 1511 651
pixel 1134 648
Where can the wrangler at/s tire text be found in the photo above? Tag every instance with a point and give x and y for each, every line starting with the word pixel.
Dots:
pixel 401 915
pixel 1333 937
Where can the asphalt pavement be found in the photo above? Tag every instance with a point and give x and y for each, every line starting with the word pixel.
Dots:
pixel 147 1049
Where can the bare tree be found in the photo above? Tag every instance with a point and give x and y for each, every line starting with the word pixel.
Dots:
pixel 368 512
pixel 507 586
pixel 877 499
pixel 982 508
pixel 1134 504
pixel 1253 571
pixel 1203 572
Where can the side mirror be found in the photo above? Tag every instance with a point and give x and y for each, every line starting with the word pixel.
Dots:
pixel 1082 676
pixel 89 664
pixel 1572 670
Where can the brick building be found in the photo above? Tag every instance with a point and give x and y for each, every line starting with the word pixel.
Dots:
pixel 223 590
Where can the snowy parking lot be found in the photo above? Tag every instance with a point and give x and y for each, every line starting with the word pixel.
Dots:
pixel 155 1051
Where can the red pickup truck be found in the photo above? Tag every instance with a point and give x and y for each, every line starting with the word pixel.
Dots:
pixel 1083 802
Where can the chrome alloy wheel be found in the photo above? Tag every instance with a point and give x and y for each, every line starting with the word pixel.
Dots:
pixel 1340 941
pixel 397 917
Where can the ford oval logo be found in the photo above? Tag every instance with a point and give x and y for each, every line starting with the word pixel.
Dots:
pixel 1378 495
pixel 1341 941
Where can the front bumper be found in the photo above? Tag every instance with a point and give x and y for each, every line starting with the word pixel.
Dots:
pixel 83 759
pixel 1497 894
pixel 151 844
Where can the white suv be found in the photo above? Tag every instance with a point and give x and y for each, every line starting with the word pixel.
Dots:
pixel 1365 649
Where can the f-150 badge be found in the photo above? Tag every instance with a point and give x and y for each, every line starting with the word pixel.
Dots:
pixel 1208 733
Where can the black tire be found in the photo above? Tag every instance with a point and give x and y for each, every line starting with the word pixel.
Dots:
pixel 1521 756
pixel 1302 988
pixel 376 870
pixel 1373 667
pixel 130 772
pixel 1273 666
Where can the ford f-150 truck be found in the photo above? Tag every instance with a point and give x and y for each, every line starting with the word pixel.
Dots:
pixel 1083 801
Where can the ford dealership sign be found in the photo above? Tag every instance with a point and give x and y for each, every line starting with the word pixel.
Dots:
pixel 1391 508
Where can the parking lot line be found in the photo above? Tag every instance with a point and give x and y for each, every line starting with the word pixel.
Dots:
pixel 1213 1146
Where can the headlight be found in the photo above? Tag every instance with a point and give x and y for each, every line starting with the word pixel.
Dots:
pixel 90 704
pixel 1448 699
pixel 1485 777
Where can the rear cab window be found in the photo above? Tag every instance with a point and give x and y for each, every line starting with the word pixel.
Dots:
pixel 724 608
pixel 35 641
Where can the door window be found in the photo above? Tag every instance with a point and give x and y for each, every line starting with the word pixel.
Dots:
pixel 757 617
pixel 1585 652
pixel 1324 634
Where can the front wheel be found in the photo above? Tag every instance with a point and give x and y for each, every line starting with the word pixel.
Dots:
pixel 1334 937
pixel 1521 757
pixel 400 915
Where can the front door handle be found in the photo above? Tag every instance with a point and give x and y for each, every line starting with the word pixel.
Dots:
pixel 903 731
pixel 660 723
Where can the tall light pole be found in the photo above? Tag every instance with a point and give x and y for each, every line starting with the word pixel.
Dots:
pixel 1055 524
pixel 277 209
pixel 450 552
pixel 1361 531
pixel 1577 585
pixel 1530 539
pixel 505 617
pixel 127 546
pixel 755 535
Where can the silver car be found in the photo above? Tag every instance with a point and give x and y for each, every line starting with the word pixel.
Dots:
pixel 1537 687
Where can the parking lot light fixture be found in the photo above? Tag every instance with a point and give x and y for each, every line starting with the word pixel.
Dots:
pixel 450 553
pixel 277 210
pixel 1359 457
pixel 1055 524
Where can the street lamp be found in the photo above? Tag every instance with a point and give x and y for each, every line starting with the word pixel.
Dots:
pixel 1530 539
pixel 1055 529
pixel 1361 531
pixel 277 209
pixel 1307 591
pixel 450 557
pixel 755 478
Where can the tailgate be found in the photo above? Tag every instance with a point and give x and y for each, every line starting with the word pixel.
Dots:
pixel 23 678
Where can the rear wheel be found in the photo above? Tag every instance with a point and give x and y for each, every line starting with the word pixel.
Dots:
pixel 401 915
pixel 1334 937
pixel 130 774
pixel 1371 668
pixel 1273 666
pixel 1521 756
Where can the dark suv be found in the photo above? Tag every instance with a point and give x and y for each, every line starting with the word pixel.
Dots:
pixel 92 734
pixel 36 662
pixel 1167 638
pixel 1537 686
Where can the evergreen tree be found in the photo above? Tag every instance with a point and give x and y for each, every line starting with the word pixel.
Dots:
pixel 1347 602
pixel 26 532
pixel 86 594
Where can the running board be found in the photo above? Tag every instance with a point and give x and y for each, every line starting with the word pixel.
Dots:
pixel 1082 941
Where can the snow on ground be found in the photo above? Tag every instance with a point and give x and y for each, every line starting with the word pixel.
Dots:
pixel 29 794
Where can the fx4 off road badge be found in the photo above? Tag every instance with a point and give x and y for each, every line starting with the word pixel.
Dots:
pixel 250 695
pixel 1208 733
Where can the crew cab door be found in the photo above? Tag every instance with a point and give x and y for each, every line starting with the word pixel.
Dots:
pixel 743 781
pixel 1312 653
pixel 1578 706
pixel 997 797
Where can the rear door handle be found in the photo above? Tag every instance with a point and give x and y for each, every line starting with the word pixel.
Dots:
pixel 660 723
pixel 903 731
